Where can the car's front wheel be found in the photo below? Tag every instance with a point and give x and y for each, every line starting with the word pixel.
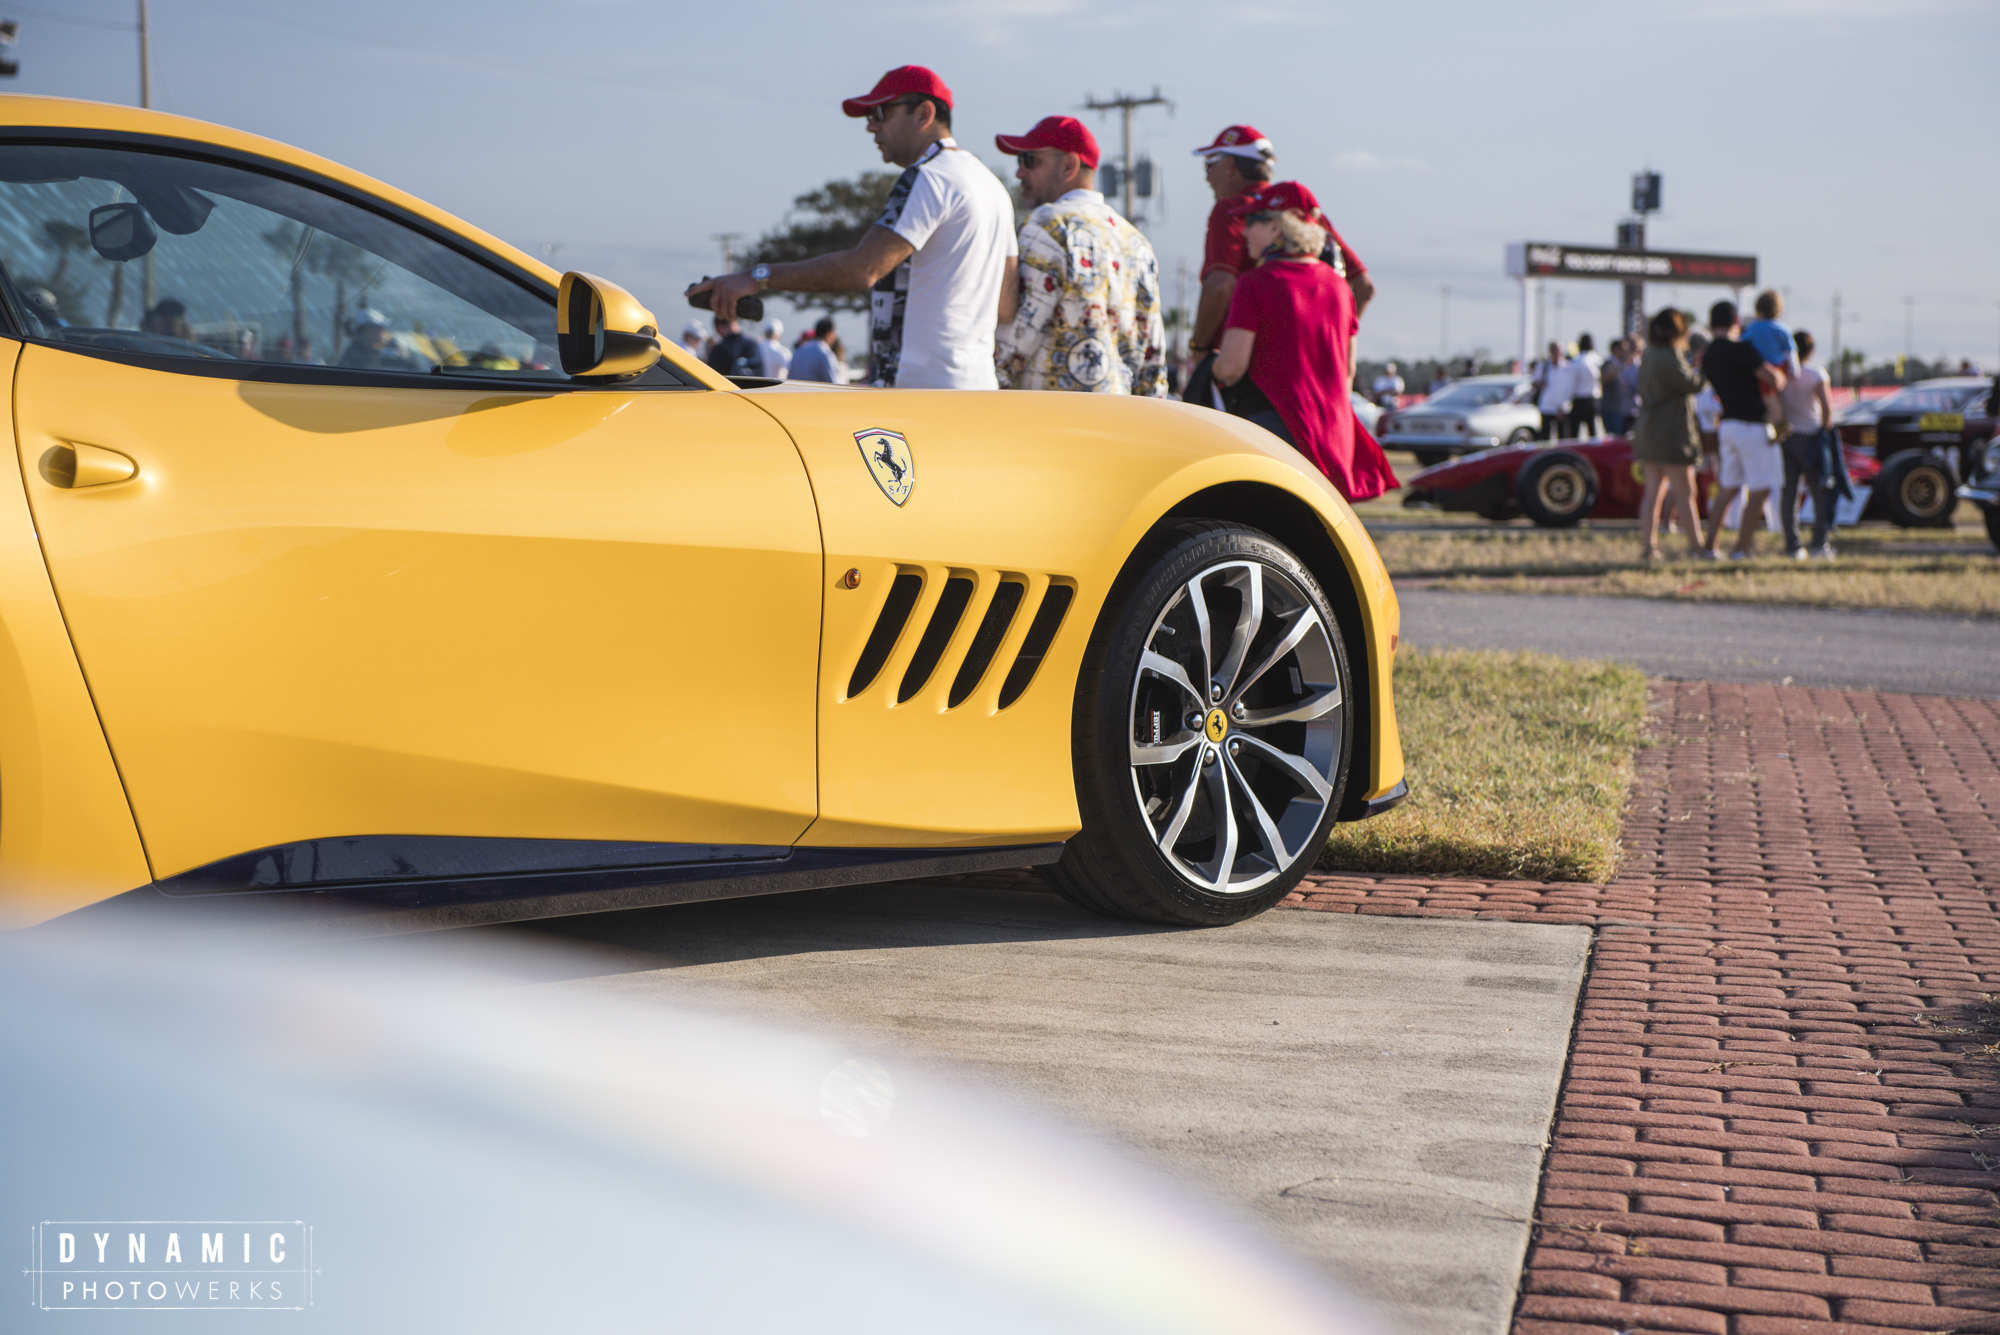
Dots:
pixel 1211 733
pixel 1917 491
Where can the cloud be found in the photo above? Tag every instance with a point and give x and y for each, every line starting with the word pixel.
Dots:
pixel 1738 10
pixel 1361 160
pixel 1284 13
pixel 1020 26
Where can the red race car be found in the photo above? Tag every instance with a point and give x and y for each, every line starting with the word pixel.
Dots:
pixel 1558 484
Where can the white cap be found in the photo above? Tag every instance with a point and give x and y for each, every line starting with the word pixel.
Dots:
pixel 368 315
pixel 775 329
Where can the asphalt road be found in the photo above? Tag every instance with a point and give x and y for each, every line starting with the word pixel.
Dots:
pixel 1886 651
pixel 1373 1092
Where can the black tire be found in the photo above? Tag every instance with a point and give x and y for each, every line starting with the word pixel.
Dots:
pixel 1916 491
pixel 1431 458
pixel 1144 819
pixel 1522 435
pixel 1991 513
pixel 1556 488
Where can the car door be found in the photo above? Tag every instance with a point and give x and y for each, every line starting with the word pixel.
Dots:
pixel 341 556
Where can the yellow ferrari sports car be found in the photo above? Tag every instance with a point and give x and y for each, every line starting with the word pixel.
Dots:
pixel 357 559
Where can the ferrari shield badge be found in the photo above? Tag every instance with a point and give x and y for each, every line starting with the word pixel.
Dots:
pixel 889 461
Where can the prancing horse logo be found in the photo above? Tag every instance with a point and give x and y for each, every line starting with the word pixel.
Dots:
pixel 889 461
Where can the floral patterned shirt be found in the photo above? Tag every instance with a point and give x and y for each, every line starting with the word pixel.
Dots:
pixel 1090 316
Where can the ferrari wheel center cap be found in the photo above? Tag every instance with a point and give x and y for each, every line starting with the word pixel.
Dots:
pixel 1217 726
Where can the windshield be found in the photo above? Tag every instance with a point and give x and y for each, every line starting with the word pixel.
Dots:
pixel 1929 401
pixel 1470 395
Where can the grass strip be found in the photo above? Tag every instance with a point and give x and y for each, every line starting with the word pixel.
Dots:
pixel 1931 570
pixel 1962 587
pixel 1518 766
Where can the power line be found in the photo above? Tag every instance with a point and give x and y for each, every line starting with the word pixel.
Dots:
pixel 72 19
pixel 1125 103
pixel 442 50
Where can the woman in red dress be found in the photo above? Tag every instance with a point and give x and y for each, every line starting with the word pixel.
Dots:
pixel 1286 342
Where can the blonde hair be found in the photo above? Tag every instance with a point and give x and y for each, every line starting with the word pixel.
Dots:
pixel 1296 236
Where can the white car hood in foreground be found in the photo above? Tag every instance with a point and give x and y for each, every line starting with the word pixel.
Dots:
pixel 397 1141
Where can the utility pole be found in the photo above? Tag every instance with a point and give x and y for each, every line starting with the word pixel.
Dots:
pixel 1444 322
pixel 1180 306
pixel 1834 358
pixel 1126 104
pixel 1909 327
pixel 145 59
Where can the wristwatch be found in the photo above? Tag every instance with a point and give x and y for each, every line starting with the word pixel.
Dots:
pixel 762 273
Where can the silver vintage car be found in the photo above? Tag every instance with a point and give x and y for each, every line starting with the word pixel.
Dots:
pixel 1476 413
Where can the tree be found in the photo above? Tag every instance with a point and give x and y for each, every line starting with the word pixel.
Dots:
pixel 1849 369
pixel 834 217
pixel 66 240
pixel 291 241
pixel 309 250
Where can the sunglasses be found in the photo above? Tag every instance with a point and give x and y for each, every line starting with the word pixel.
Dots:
pixel 878 115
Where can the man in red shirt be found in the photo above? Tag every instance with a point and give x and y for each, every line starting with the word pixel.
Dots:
pixel 1240 163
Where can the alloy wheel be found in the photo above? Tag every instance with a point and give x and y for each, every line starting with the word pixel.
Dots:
pixel 1559 488
pixel 1925 491
pixel 1235 726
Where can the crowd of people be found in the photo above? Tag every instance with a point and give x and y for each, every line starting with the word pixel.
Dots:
pixel 1750 395
pixel 817 355
pixel 1747 394
pixel 1070 300
pixel 960 298
pixel 1582 393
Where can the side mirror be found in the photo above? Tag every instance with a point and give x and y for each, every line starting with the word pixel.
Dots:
pixel 602 330
pixel 122 232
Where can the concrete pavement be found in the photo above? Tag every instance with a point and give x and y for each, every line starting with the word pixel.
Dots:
pixel 1743 642
pixel 1374 1092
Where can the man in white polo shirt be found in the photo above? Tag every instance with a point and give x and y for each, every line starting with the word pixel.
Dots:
pixel 937 259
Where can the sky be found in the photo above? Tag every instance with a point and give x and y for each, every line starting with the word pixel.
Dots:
pixel 1849 144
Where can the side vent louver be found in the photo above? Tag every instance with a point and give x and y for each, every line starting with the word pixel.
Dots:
pixel 986 640
pixel 1041 634
pixel 888 628
pixel 950 609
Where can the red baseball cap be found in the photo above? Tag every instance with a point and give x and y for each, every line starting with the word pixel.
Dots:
pixel 1278 197
pixel 1066 133
pixel 903 81
pixel 1242 141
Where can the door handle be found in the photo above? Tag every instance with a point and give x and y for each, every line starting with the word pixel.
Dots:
pixel 76 465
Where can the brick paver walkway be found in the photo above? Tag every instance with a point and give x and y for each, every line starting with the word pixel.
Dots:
pixel 1777 1118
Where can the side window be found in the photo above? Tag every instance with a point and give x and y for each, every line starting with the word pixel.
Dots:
pixel 132 252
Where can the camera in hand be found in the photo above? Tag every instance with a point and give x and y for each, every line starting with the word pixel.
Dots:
pixel 747 308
